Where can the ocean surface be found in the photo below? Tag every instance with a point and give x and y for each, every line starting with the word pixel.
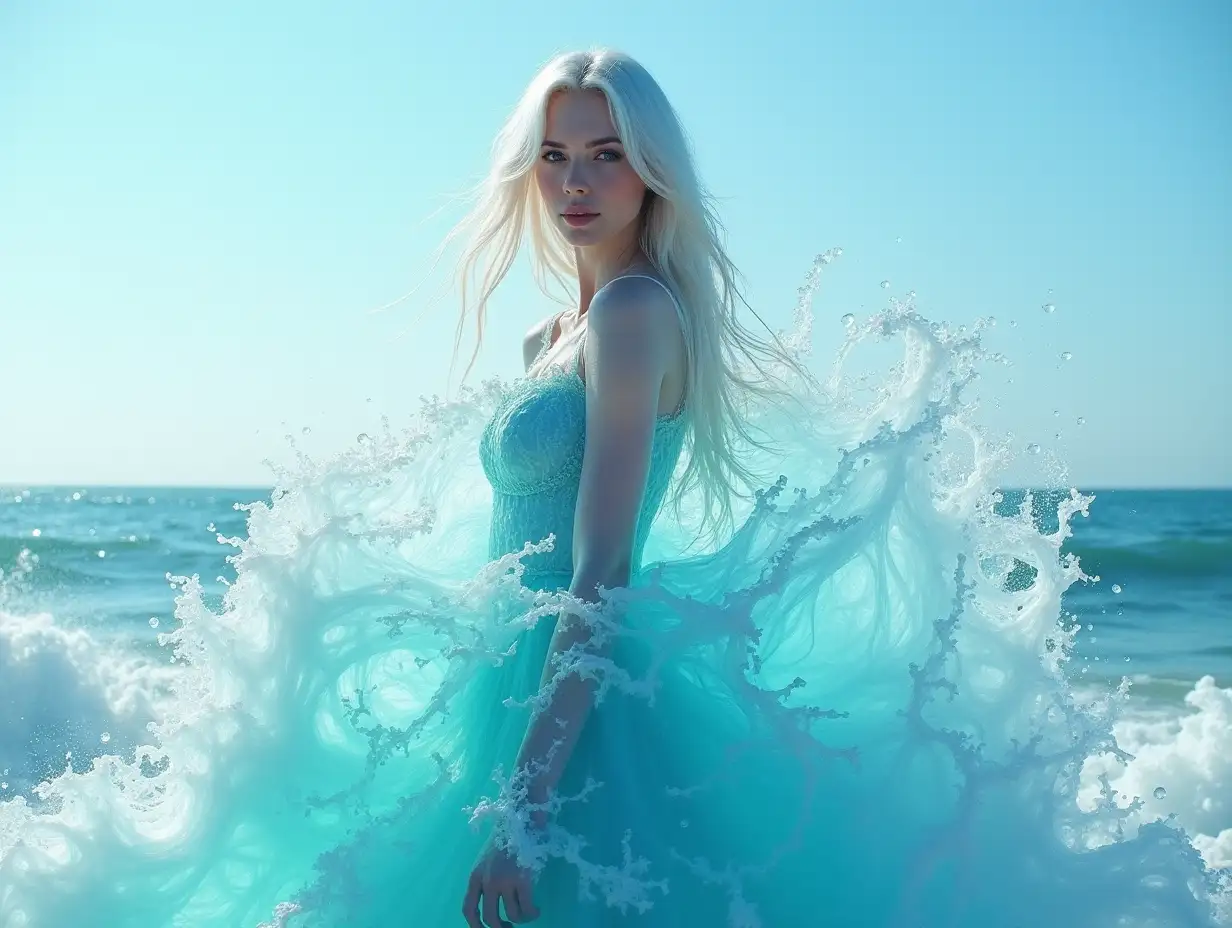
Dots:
pixel 1160 612
pixel 219 706
pixel 99 559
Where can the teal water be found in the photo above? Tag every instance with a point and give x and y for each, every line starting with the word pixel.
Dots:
pixel 1169 551
pixel 279 707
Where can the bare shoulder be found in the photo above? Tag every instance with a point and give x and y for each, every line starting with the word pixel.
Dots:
pixel 635 309
pixel 533 340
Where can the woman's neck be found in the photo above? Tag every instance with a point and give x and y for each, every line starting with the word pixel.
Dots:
pixel 599 265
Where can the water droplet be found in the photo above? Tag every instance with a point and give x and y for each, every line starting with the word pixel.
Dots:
pixel 102 553
pixel 1013 324
pixel 1160 792
pixel 1090 627
pixel 76 496
pixel 849 319
pixel 105 737
pixel 153 621
pixel 1033 448
pixel 306 430
pixel 1067 355
pixel 911 294
pixel 1056 412
pixel 37 532
pixel 1082 420
pixel 838 252
pixel 4 786
pixel 363 437
pixel 1050 307
pixel 210 527
pixel 1116 587
pixel 885 285
pixel 150 501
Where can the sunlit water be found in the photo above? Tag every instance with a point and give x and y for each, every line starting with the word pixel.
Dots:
pixel 230 708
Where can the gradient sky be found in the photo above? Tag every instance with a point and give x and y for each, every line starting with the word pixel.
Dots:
pixel 200 203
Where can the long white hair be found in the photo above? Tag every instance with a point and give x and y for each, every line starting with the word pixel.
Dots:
pixel 682 237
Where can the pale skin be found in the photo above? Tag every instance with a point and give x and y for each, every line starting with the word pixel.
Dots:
pixel 633 365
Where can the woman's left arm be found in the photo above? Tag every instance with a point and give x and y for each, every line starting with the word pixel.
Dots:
pixel 631 344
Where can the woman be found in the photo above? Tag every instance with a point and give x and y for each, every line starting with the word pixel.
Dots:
pixel 645 727
pixel 595 160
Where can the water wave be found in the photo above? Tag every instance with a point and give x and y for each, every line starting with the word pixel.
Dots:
pixel 915 741
pixel 1175 557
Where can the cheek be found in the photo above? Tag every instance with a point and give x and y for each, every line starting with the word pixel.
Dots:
pixel 542 181
pixel 627 188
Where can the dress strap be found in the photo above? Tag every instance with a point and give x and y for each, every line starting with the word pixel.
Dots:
pixel 545 340
pixel 666 288
pixel 577 352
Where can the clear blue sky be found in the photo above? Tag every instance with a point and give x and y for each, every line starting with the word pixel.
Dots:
pixel 199 203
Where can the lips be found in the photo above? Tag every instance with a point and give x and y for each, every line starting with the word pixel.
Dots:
pixel 576 216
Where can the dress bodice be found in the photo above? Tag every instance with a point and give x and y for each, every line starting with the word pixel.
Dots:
pixel 531 451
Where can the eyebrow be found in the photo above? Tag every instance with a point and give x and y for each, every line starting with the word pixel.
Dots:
pixel 606 140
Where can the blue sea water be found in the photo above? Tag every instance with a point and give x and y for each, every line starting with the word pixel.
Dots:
pixel 1160 613
pixel 179 669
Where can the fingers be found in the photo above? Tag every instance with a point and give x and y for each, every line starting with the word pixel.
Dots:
pixel 491 908
pixel 513 910
pixel 470 905
pixel 527 912
pixel 486 899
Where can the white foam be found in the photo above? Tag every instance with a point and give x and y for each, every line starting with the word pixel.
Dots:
pixel 65 692
pixel 1187 755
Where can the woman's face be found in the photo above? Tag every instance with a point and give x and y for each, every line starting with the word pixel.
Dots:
pixel 586 181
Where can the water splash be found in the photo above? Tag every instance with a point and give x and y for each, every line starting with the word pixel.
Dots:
pixel 866 614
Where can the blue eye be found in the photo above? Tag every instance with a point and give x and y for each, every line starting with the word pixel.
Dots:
pixel 553 156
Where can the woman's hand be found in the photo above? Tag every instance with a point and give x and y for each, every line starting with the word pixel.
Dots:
pixel 496 877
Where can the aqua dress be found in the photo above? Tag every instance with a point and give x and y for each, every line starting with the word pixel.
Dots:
pixel 843 714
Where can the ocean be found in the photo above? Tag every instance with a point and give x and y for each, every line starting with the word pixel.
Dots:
pixel 100 560
pixel 1160 612
pixel 91 576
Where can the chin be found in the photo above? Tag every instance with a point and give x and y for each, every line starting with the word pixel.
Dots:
pixel 587 235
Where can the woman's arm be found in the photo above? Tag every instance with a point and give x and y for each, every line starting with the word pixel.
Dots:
pixel 632 342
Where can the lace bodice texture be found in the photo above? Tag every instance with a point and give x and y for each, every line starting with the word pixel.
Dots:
pixel 531 451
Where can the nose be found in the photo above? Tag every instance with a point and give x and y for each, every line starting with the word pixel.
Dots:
pixel 576 184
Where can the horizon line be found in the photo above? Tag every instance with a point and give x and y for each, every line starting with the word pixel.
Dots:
pixel 1092 487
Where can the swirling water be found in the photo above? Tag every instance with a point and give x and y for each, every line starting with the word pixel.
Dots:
pixel 180 669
